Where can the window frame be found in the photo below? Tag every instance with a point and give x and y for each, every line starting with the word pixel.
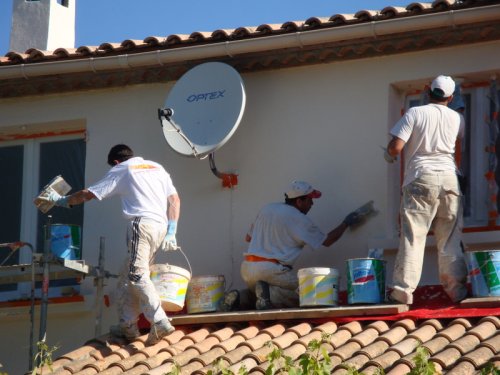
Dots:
pixel 29 214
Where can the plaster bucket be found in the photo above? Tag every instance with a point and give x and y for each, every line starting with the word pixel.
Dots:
pixel 171 283
pixel 365 280
pixel 65 241
pixel 484 272
pixel 205 293
pixel 318 286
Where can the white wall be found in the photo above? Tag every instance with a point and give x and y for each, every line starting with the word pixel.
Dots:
pixel 323 123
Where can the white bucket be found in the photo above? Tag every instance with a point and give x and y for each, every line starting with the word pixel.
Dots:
pixel 205 293
pixel 318 286
pixel 171 283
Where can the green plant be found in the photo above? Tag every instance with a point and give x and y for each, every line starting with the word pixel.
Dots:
pixel 43 357
pixel 316 359
pixel 490 369
pixel 220 368
pixel 422 364
pixel 176 370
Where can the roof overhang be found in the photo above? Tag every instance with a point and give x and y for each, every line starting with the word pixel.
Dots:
pixel 303 47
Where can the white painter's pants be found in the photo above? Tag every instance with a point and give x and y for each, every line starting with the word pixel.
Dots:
pixel 136 292
pixel 282 280
pixel 432 201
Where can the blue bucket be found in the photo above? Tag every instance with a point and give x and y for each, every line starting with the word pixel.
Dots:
pixel 484 272
pixel 365 280
pixel 66 241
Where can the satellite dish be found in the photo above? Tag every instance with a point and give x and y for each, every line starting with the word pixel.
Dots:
pixel 203 109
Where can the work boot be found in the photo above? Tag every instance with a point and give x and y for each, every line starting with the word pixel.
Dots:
pixel 126 331
pixel 263 297
pixel 231 301
pixel 158 331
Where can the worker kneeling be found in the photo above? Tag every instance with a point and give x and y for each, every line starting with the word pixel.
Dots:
pixel 277 237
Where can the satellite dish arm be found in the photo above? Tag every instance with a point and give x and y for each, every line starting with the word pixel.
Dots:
pixel 228 179
pixel 213 168
pixel 166 114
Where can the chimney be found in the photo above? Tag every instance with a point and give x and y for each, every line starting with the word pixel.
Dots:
pixel 42 24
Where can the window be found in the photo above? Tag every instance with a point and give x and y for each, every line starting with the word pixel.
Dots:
pixel 475 156
pixel 30 165
pixel 64 3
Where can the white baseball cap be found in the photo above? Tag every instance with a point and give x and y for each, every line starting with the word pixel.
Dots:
pixel 301 188
pixel 443 86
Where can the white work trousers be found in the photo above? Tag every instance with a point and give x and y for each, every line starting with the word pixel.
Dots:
pixel 282 280
pixel 432 201
pixel 136 292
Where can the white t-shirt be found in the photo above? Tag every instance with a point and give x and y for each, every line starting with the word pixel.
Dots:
pixel 280 231
pixel 142 185
pixel 430 132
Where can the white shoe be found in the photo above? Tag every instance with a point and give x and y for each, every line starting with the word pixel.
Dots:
pixel 158 331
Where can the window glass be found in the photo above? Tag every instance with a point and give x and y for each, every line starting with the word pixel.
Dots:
pixel 65 158
pixel 11 167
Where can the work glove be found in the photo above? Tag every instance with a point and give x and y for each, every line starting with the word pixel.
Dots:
pixel 56 198
pixel 388 157
pixel 169 242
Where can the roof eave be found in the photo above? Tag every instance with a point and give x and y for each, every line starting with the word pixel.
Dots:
pixel 253 47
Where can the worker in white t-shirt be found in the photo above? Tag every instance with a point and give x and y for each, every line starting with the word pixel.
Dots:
pixel 431 195
pixel 277 237
pixel 152 206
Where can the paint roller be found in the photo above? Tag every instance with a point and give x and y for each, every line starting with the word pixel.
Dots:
pixel 58 185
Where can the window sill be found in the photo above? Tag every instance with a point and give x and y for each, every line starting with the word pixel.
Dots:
pixel 56 306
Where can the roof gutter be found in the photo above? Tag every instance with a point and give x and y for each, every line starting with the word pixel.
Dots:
pixel 299 39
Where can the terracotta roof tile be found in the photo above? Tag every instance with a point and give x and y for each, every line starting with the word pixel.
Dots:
pixel 436 344
pixel 484 330
pixel 374 349
pixel 455 330
pixel 391 11
pixel 236 355
pixel 305 340
pixel 268 28
pixel 446 357
pixel 478 357
pixel 424 332
pixel 417 7
pixel 366 15
pixel 395 334
pixel 465 343
pixel 384 360
pixel 400 369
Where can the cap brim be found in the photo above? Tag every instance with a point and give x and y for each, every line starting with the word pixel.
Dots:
pixel 315 194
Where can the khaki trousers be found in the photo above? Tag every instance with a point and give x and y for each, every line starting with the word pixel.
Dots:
pixel 432 201
pixel 282 280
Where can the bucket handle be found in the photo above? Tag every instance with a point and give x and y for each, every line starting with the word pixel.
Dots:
pixel 178 248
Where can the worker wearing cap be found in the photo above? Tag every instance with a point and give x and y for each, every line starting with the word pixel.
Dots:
pixel 277 237
pixel 152 206
pixel 431 195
